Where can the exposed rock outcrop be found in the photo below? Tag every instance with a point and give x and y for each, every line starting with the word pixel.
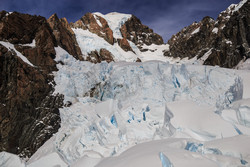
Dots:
pixel 139 34
pixel 98 57
pixel 64 35
pixel 95 24
pixel 29 112
pixel 224 42
pixel 124 44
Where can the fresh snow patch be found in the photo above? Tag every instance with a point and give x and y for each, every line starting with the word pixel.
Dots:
pixel 10 47
pixel 33 44
pixel 98 21
pixel 215 30
pixel 8 13
pixel 196 31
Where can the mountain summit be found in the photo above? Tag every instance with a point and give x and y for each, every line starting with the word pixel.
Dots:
pixel 224 42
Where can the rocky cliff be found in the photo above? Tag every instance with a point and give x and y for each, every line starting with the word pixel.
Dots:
pixel 133 30
pixel 224 42
pixel 29 112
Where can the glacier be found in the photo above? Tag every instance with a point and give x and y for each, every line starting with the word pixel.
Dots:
pixel 117 105
pixel 151 108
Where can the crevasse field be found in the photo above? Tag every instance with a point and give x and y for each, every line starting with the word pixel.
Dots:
pixel 148 114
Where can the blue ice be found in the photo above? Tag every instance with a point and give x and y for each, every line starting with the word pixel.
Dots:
pixel 144 116
pixel 243 162
pixel 177 82
pixel 131 117
pixel 165 161
pixel 237 130
pixel 113 120
pixel 193 147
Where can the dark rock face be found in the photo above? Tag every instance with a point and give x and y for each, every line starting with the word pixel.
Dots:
pixel 29 112
pixel 64 35
pixel 139 34
pixel 227 39
pixel 123 43
pixel 98 57
pixel 189 41
pixel 89 22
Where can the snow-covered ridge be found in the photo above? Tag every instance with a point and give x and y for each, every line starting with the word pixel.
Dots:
pixel 90 42
pixel 238 6
pixel 234 7
pixel 115 21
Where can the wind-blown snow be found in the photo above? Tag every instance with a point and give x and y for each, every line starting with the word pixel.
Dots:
pixel 10 47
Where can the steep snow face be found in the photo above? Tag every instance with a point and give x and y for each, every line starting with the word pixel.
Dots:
pixel 115 21
pixel 89 42
pixel 114 106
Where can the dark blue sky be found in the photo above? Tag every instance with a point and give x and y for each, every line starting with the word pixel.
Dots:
pixel 165 17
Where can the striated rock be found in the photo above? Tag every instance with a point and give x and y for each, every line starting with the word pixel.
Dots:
pixel 191 40
pixel 123 43
pixel 103 55
pixel 95 24
pixel 64 35
pixel 29 112
pixel 138 33
pixel 19 28
pixel 226 40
